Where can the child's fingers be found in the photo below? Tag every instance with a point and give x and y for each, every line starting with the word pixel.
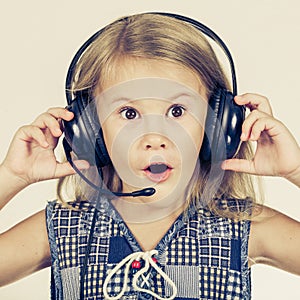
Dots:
pixel 65 169
pixel 254 102
pixel 250 121
pixel 60 113
pixel 50 120
pixel 28 133
pixel 46 120
pixel 238 165
pixel 261 125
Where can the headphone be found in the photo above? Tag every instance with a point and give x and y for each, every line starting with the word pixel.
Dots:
pixel 222 127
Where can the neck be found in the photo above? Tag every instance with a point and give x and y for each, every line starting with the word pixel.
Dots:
pixel 143 211
pixel 148 235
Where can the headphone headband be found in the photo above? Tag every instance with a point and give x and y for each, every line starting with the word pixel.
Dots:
pixel 203 28
pixel 212 35
pixel 223 124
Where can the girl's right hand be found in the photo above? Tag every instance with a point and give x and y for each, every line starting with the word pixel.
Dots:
pixel 31 153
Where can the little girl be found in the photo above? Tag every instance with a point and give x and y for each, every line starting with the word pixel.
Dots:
pixel 154 214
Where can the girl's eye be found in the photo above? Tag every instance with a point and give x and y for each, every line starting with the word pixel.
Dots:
pixel 129 113
pixel 176 111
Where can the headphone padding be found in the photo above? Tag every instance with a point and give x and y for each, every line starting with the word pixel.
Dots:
pixel 83 133
pixel 222 127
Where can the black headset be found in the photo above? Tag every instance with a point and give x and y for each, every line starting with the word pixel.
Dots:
pixel 222 128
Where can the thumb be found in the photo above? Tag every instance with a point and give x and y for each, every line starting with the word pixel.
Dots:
pixel 65 169
pixel 238 165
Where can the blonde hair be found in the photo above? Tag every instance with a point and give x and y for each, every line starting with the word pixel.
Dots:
pixel 152 36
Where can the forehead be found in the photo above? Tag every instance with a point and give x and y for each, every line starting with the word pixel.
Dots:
pixel 166 92
pixel 128 69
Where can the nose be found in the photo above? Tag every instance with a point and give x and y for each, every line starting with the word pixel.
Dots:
pixel 154 142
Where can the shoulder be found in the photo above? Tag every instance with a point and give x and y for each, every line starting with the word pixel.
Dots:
pixel 30 237
pixel 235 206
pixel 56 209
pixel 78 217
pixel 233 209
pixel 226 218
pixel 266 221
pixel 275 239
pixel 74 205
pixel 63 214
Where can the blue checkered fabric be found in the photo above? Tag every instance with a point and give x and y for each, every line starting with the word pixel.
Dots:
pixel 205 255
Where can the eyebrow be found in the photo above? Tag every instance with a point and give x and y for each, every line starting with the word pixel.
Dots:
pixel 171 98
pixel 185 96
pixel 121 99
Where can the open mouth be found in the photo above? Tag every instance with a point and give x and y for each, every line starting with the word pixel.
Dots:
pixel 158 172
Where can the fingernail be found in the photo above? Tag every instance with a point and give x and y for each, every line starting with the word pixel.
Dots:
pixel 243 136
pixel 68 112
pixel 223 165
pixel 58 131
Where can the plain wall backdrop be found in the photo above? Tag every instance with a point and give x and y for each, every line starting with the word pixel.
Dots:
pixel 39 38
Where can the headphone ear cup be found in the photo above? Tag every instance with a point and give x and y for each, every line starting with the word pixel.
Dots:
pixel 223 127
pixel 83 133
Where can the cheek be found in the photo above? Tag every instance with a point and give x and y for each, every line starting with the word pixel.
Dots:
pixel 109 132
pixel 185 140
pixel 198 138
pixel 123 143
pixel 196 133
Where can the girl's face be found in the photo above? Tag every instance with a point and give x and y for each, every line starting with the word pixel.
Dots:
pixel 152 115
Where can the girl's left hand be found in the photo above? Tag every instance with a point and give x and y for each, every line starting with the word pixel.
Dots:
pixel 277 152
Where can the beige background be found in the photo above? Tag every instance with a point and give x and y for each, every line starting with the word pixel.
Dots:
pixel 38 39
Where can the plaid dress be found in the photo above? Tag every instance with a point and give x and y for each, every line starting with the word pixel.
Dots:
pixel 205 256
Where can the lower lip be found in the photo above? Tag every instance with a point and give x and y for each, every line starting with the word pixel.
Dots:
pixel 158 177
